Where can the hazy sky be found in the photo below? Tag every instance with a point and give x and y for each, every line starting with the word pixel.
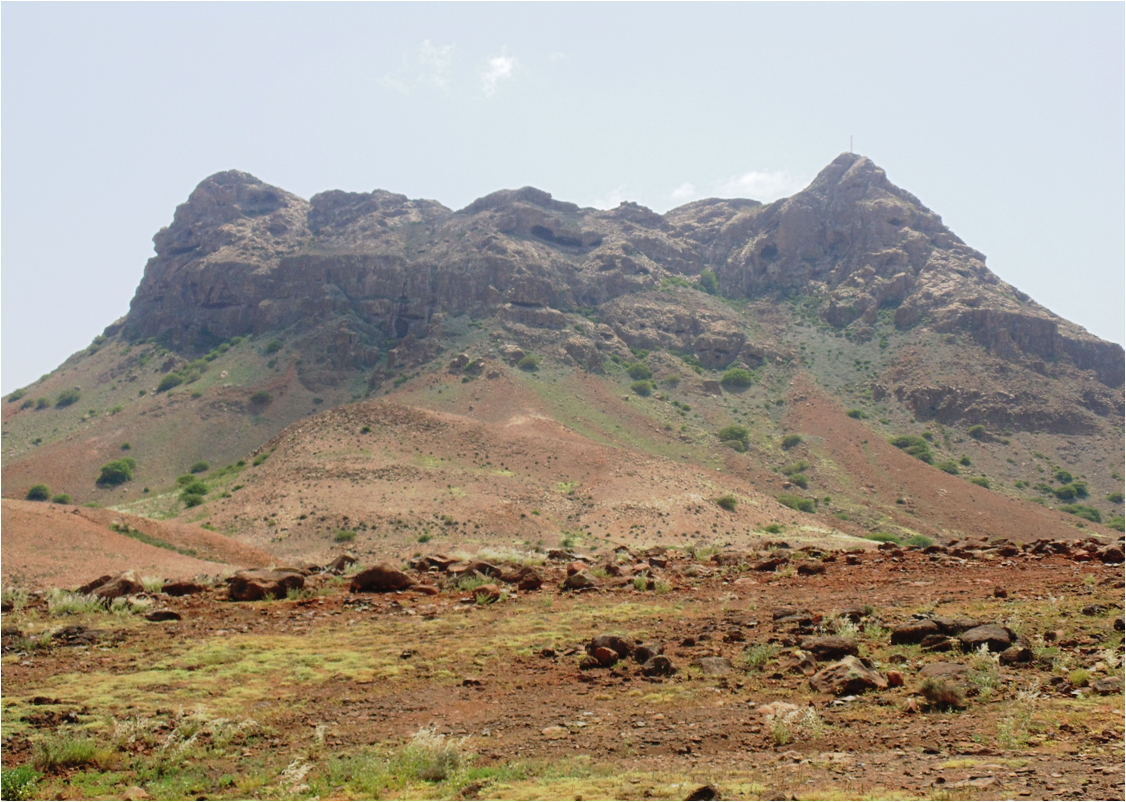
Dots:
pixel 1007 119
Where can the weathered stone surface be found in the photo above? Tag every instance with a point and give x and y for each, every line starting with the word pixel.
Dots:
pixel 914 632
pixel 255 585
pixel 994 636
pixel 621 646
pixel 580 580
pixel 851 675
pixel 183 587
pixel 124 584
pixel 830 647
pixel 382 578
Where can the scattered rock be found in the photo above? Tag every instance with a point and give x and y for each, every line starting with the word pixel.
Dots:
pixel 124 584
pixel 382 578
pixel 555 733
pixel 810 568
pixel 97 583
pixel 580 580
pixel 1000 593
pixel 1105 686
pixel 576 567
pixel 995 636
pixel 658 666
pixel 340 564
pixel 642 654
pixel 184 587
pixel 486 594
pixel 830 647
pixel 797 663
pixel 162 615
pixel 605 657
pixel 257 584
pixel 770 564
pixel 914 632
pixel 852 675
pixel 715 666
pixel 1015 655
pixel 621 647
pixel 705 793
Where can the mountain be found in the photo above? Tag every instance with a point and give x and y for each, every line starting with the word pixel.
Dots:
pixel 606 342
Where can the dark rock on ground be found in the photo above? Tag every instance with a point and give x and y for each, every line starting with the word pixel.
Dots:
pixel 995 636
pixel 182 588
pixel 830 647
pixel 914 632
pixel 852 675
pixel 257 584
pixel 382 578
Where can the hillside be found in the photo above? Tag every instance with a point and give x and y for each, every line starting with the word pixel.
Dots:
pixel 261 309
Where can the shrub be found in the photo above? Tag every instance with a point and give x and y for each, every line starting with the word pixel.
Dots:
pixel 795 467
pixel 60 498
pixel 918 541
pixel 942 693
pixel 261 398
pixel 735 445
pixel 856 413
pixel 885 537
pixel 728 502
pixel 965 461
pixel 639 370
pixel 1067 492
pixel 799 503
pixel 18 783
pixel 642 388
pixel 1083 511
pixel 425 537
pixel 791 440
pixel 68 397
pixel 42 403
pixel 773 529
pixel 948 466
pixel 260 459
pixel 977 432
pixel 28 404
pixel 273 346
pixel 38 493
pixel 737 378
pixel 345 536
pixel 708 282
pixel 529 363
pixel 191 499
pixel 981 481
pixel 800 479
pixel 199 467
pixel 914 445
pixel 63 751
pixel 195 487
pixel 1062 476
pixel 169 381
pixel 1117 522
pixel 117 472
pixel 735 432
pixel 1114 497
pixel 126 446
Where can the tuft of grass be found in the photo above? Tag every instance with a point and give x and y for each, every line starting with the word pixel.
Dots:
pixel 153 584
pixel 727 502
pixel 345 536
pixel 884 537
pixel 758 655
pixel 64 750
pixel 529 363
pixel 19 783
pixel 919 541
pixel 799 503
pixel 791 440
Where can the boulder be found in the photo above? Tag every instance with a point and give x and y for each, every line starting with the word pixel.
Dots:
pixel 622 647
pixel 162 615
pixel 257 584
pixel 996 637
pixel 486 594
pixel 183 587
pixel 851 675
pixel 797 663
pixel 525 578
pixel 382 578
pixel 1015 655
pixel 124 584
pixel 810 568
pixel 914 632
pixel 830 647
pixel 1105 686
pixel 96 583
pixel 605 657
pixel 1111 555
pixel 340 564
pixel 658 666
pixel 578 581
pixel 715 666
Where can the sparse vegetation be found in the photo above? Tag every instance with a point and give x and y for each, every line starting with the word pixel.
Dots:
pixel 885 537
pixel 199 467
pixel 60 498
pixel 737 379
pixel 948 466
pixel 169 381
pixel 914 445
pixel 260 398
pixel 981 481
pixel 642 388
pixel 735 436
pixel 727 502
pixel 1083 511
pixel 858 414
pixel 977 432
pixel 19 783
pixel 346 536
pixel 790 441
pixel 799 503
pixel 639 370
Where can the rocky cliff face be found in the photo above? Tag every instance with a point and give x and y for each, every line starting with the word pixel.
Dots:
pixel 363 271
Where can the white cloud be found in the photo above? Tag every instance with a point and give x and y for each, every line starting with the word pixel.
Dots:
pixel 431 67
pixel 611 199
pixel 685 192
pixel 762 185
pixel 499 68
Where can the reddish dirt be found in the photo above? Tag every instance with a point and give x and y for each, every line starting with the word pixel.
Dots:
pixel 933 502
pixel 57 545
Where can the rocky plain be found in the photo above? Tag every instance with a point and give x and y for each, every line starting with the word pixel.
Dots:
pixel 370 498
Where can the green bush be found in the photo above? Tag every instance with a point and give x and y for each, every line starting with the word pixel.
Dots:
pixel 981 481
pixel 965 461
pixel 191 499
pixel 795 467
pixel 60 498
pixel 1114 497
pixel 186 479
pixel 1083 511
pixel 38 493
pixel 639 370
pixel 28 403
pixel 919 541
pixel 169 381
pixel 948 466
pixel 728 502
pixel 737 378
pixel 42 403
pixel 772 529
pixel 17 395
pixel 885 537
pixel 68 397
pixel 708 282
pixel 642 388
pixel 914 445
pixel 799 503
pixel 117 472
pixel 740 434
pixel 199 467
pixel 1077 489
pixel 1117 522
pixel 529 363
pixel 273 346
pixel 18 783
pixel 800 479
pixel 735 445
pixel 977 432
pixel 261 398
pixel 195 487
pixel 1062 476
pixel 345 536
pixel 260 459
pixel 856 413
pixel 791 440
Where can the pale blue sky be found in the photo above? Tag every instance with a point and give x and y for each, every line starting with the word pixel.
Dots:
pixel 1007 119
